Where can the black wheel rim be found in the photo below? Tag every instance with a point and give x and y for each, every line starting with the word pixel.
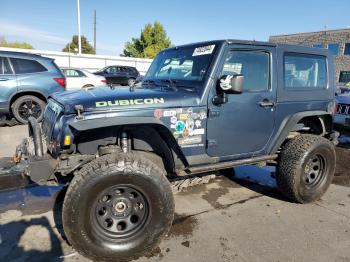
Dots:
pixel 314 171
pixel 29 108
pixel 120 211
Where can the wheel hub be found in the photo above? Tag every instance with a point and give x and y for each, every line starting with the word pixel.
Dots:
pixel 121 210
pixel 314 170
pixel 120 207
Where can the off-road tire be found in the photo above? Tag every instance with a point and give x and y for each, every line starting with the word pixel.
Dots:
pixel 132 169
pixel 296 162
pixel 18 103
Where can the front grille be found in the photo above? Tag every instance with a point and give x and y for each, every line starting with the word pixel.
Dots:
pixel 343 109
pixel 51 114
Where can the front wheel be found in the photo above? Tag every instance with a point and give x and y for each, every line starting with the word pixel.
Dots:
pixel 306 168
pixel 118 207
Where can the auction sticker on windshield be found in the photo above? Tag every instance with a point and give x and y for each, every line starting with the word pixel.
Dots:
pixel 203 50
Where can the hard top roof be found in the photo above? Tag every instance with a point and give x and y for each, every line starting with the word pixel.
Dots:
pixel 255 43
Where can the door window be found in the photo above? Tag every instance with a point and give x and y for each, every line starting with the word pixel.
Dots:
pixel 23 66
pixel 334 48
pixel 111 70
pixel 305 71
pixel 253 65
pixel 5 68
pixel 344 77
pixel 73 73
pixel 123 69
pixel 347 49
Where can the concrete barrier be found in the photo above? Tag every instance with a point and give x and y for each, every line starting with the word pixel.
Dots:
pixel 88 62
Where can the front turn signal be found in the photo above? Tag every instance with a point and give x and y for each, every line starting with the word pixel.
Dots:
pixel 67 140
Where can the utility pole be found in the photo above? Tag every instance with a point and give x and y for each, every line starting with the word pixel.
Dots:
pixel 95 30
pixel 79 35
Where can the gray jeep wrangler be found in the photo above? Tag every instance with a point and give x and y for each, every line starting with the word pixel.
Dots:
pixel 201 108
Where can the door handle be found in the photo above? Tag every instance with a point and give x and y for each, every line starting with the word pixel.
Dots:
pixel 266 103
pixel 4 79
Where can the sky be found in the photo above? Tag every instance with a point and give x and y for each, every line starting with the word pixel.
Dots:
pixel 50 24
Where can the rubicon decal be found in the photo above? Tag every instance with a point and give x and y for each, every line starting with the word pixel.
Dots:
pixel 127 102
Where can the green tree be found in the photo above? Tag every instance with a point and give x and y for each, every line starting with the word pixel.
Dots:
pixel 153 39
pixel 24 45
pixel 86 48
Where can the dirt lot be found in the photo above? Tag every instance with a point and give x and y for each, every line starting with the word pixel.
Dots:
pixel 226 220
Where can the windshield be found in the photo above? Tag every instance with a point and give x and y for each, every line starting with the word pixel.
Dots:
pixel 181 64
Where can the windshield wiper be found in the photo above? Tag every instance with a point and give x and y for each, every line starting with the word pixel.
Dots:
pixel 169 81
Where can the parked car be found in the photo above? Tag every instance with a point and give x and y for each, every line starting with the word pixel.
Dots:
pixel 227 103
pixel 342 116
pixel 119 75
pixel 26 81
pixel 79 78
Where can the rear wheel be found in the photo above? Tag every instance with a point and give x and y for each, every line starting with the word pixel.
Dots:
pixel 306 168
pixel 131 81
pixel 27 106
pixel 88 86
pixel 118 207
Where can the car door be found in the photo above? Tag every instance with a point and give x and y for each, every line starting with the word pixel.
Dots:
pixel 111 74
pixel 243 126
pixel 8 80
pixel 122 75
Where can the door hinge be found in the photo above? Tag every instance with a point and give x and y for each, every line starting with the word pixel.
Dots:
pixel 211 142
pixel 214 113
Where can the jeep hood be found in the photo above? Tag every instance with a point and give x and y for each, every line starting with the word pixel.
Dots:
pixel 120 98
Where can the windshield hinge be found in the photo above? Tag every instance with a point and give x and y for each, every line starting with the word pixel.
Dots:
pixel 80 110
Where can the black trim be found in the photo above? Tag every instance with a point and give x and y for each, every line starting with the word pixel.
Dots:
pixel 112 121
pixel 228 164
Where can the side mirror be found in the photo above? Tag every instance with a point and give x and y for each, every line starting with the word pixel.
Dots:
pixel 231 84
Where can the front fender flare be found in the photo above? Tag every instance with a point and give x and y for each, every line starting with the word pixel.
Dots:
pixel 117 121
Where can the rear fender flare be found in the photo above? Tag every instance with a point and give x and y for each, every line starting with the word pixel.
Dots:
pixel 289 124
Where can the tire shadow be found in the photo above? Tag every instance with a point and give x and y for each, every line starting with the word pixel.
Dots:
pixel 259 180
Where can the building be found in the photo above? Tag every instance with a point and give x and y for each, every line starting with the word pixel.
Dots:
pixel 337 41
